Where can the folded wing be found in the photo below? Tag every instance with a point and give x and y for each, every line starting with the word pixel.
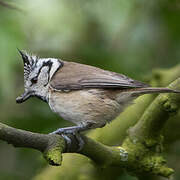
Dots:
pixel 74 76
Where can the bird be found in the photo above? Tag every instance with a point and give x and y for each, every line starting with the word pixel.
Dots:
pixel 85 95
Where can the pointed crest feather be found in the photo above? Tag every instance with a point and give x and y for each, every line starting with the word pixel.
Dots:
pixel 29 62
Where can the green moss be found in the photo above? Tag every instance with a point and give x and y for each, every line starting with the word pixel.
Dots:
pixel 123 154
pixel 170 107
pixel 54 153
pixel 154 142
pixel 145 159
pixel 156 165
pixel 53 156
pixel 135 150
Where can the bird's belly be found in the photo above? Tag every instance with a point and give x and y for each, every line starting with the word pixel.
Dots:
pixel 85 106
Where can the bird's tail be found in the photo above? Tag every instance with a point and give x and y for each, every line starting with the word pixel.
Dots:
pixel 151 90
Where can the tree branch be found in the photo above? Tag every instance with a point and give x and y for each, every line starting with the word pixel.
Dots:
pixel 140 152
pixel 50 145
pixel 9 6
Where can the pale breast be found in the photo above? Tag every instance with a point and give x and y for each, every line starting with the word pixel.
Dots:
pixel 82 106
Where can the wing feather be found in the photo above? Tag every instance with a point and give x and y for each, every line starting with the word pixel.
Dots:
pixel 74 76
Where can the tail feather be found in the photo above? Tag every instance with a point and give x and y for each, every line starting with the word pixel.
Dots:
pixel 151 90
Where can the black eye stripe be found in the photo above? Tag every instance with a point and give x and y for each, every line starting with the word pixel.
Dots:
pixel 34 80
pixel 37 67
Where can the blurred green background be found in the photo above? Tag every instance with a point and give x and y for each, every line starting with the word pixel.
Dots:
pixel 127 36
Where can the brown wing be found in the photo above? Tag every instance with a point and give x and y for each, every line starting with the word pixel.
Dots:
pixel 74 76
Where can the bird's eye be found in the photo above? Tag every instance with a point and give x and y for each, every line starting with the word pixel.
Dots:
pixel 34 80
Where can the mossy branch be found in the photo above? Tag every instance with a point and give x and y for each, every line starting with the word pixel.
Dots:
pixel 141 151
pixel 145 139
pixel 50 145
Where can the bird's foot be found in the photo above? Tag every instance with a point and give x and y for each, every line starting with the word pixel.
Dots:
pixel 64 132
pixel 67 130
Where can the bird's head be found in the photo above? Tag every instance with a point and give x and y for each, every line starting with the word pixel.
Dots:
pixel 37 74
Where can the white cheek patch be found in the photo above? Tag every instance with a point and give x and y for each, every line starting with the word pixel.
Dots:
pixel 27 84
pixel 43 75
pixel 55 64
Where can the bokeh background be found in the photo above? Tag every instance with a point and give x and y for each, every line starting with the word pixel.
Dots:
pixel 127 36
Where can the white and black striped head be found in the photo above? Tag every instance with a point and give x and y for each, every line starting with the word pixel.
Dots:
pixel 37 74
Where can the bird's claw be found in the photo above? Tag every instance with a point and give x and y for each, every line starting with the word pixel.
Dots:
pixel 65 131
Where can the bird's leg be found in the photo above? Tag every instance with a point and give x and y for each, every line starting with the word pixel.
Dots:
pixel 68 130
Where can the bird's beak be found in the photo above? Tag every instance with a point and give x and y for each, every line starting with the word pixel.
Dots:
pixel 25 96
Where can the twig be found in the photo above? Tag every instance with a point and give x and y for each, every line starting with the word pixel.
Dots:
pixel 9 6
